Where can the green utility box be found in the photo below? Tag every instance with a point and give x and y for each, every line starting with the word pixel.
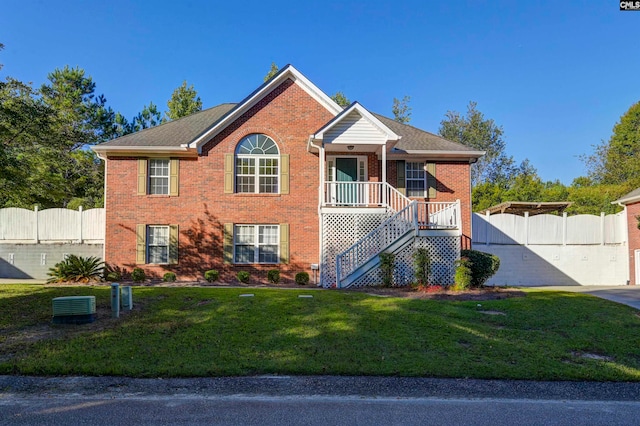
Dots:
pixel 74 309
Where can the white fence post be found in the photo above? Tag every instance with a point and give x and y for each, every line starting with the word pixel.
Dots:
pixel 526 228
pixel 602 229
pixel 486 227
pixel 564 228
pixel 35 221
pixel 80 223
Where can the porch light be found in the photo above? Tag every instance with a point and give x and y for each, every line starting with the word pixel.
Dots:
pixel 350 147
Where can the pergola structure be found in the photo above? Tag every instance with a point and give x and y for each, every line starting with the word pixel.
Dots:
pixel 533 208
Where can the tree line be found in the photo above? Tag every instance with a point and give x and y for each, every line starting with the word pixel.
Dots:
pixel 45 133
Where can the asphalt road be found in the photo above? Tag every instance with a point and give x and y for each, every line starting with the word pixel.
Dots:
pixel 282 400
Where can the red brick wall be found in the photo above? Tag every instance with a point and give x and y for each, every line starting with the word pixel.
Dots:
pixel 633 232
pixel 288 115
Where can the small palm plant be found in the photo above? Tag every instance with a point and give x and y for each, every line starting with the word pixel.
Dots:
pixel 77 269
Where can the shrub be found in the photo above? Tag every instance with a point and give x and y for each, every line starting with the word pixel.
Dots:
pixel 77 269
pixel 211 275
pixel 302 278
pixel 243 276
pixel 387 266
pixel 483 266
pixel 169 277
pixel 273 276
pixel 113 277
pixel 113 273
pixel 463 274
pixel 138 275
pixel 422 263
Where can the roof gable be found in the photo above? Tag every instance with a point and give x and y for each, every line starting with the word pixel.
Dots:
pixel 288 72
pixel 355 125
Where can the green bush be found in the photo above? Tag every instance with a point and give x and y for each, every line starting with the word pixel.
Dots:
pixel 422 263
pixel 77 269
pixel 273 276
pixel 169 277
pixel 113 273
pixel 463 274
pixel 387 266
pixel 483 266
pixel 211 275
pixel 138 275
pixel 113 277
pixel 243 276
pixel 302 278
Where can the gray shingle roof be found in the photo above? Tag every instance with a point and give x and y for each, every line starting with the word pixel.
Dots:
pixel 414 139
pixel 174 133
pixel 187 129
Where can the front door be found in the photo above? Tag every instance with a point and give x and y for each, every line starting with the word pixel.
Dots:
pixel 346 173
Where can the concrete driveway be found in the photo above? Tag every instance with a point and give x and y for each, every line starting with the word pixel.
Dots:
pixel 625 294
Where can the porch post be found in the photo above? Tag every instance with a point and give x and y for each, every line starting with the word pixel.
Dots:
pixel 321 159
pixel 384 175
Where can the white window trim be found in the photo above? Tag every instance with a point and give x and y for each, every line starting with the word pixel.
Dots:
pixel 256 243
pixel 148 245
pixel 255 159
pixel 407 179
pixel 167 177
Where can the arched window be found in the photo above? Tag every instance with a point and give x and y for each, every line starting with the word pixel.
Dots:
pixel 257 165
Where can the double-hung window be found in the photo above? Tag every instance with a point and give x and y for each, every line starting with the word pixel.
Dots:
pixel 257 165
pixel 416 179
pixel 256 243
pixel 159 176
pixel 157 244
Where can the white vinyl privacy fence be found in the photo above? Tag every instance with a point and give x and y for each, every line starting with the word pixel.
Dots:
pixel 555 250
pixel 32 241
pixel 52 225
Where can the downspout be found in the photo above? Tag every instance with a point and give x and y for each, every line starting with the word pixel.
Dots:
pixel 320 197
pixel 104 205
pixel 630 256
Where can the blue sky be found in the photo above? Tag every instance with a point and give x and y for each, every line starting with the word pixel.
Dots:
pixel 556 75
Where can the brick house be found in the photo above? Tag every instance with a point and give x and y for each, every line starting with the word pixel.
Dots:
pixel 631 203
pixel 286 179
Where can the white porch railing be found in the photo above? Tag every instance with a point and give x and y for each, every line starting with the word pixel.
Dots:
pixel 438 215
pixel 363 194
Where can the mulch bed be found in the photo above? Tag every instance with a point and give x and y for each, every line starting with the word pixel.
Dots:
pixel 486 293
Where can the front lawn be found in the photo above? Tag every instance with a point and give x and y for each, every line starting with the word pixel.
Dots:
pixel 189 332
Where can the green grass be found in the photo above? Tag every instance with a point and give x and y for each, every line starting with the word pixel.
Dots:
pixel 190 332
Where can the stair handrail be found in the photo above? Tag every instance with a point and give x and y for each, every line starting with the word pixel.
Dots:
pixel 376 241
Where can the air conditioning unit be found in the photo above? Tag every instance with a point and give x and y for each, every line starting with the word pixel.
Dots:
pixel 74 309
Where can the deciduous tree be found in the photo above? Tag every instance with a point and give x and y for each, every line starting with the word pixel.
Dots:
pixel 474 131
pixel 618 160
pixel 401 109
pixel 184 101
pixel 341 99
pixel 272 71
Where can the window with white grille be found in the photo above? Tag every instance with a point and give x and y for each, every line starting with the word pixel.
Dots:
pixel 159 176
pixel 256 243
pixel 257 165
pixel 416 179
pixel 157 244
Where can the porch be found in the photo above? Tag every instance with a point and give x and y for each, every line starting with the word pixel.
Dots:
pixel 427 215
